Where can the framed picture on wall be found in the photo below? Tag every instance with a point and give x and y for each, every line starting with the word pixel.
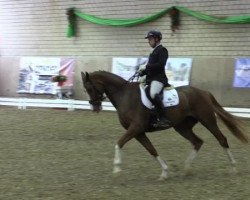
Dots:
pixel 178 70
pixel 242 73
pixel 35 74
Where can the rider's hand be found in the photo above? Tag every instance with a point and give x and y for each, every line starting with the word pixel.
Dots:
pixel 142 72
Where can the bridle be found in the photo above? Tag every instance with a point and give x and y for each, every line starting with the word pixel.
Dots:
pixel 99 98
pixel 100 95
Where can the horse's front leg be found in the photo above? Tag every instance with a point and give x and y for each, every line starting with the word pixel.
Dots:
pixel 132 131
pixel 144 140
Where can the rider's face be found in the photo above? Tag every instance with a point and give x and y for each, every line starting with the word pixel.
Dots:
pixel 152 42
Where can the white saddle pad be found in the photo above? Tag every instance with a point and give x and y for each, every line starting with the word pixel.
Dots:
pixel 170 98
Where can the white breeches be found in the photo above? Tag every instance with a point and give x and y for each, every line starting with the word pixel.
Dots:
pixel 155 88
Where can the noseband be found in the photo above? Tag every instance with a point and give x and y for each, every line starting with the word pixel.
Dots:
pixel 100 97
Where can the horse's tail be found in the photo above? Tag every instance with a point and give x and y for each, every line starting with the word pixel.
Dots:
pixel 229 120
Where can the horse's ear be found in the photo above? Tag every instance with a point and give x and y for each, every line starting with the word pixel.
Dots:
pixel 83 75
pixel 87 76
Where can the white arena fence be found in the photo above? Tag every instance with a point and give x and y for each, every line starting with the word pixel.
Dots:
pixel 70 104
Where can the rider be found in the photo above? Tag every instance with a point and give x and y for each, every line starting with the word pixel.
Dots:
pixel 155 74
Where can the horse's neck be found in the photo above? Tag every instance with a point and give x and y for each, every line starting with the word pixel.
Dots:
pixel 114 88
pixel 115 92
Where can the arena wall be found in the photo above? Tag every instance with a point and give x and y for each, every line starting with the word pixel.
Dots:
pixel 38 28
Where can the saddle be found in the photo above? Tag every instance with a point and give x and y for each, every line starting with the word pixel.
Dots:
pixel 169 95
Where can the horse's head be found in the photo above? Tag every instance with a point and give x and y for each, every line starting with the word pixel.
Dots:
pixel 95 91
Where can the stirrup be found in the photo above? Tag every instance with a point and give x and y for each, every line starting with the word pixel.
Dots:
pixel 162 123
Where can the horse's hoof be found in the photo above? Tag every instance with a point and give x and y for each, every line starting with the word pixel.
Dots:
pixel 117 171
pixel 117 176
pixel 162 178
pixel 188 172
pixel 234 170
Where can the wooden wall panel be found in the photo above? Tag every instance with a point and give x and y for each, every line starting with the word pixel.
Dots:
pixel 38 28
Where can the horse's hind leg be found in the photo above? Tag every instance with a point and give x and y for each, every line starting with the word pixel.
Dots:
pixel 210 123
pixel 143 139
pixel 185 129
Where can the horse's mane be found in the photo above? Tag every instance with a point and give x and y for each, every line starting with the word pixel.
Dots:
pixel 108 76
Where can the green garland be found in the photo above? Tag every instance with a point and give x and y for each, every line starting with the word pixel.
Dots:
pixel 174 15
pixel 72 22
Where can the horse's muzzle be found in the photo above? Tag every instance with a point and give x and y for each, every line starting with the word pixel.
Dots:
pixel 96 105
pixel 96 108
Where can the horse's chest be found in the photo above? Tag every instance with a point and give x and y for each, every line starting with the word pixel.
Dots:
pixel 124 123
pixel 124 120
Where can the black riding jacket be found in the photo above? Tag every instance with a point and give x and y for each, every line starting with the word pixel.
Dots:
pixel 155 68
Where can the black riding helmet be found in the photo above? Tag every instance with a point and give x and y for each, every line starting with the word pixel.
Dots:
pixel 155 34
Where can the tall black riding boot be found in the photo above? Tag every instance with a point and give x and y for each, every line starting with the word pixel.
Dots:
pixel 163 122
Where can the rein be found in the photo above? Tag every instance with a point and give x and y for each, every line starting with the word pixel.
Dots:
pixel 135 76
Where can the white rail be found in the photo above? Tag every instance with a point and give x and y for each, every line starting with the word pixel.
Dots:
pixel 70 104
pixel 23 103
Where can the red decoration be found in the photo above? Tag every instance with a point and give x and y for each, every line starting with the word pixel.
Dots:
pixel 175 19
pixel 60 84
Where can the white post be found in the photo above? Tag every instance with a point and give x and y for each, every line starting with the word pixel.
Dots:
pixel 70 105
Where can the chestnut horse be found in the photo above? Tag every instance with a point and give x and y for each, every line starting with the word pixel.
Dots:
pixel 195 106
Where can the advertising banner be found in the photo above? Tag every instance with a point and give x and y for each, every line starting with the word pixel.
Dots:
pixel 36 74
